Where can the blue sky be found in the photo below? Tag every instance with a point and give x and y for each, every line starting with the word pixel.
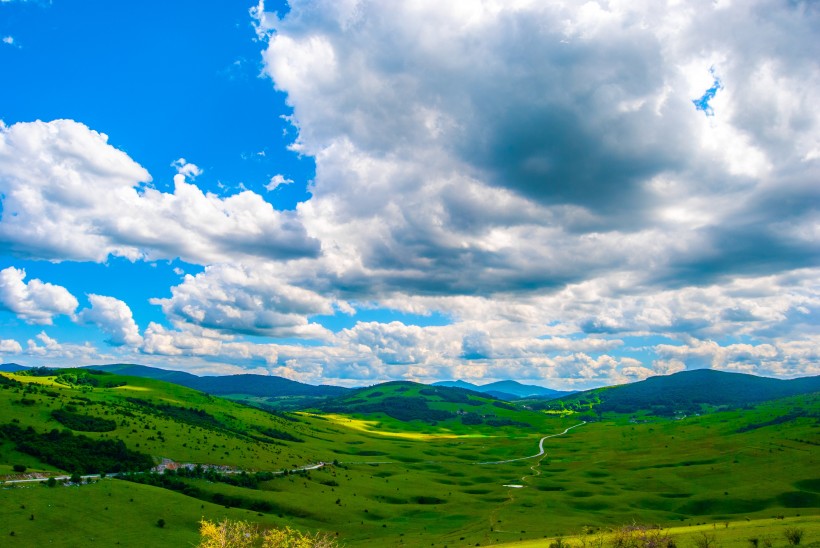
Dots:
pixel 349 192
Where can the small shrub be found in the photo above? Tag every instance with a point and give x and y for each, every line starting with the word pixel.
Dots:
pixel 793 535
pixel 558 543
pixel 704 541
pixel 19 468
pixel 641 536
pixel 754 541
pixel 243 534
pixel 160 523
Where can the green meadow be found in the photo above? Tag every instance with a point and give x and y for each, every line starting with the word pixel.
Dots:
pixel 410 466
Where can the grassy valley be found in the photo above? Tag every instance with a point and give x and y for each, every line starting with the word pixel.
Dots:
pixel 407 464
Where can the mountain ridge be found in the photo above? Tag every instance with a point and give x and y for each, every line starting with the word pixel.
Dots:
pixel 506 389
pixel 687 391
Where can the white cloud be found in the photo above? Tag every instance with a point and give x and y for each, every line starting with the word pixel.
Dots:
pixel 481 148
pixel 794 358
pixel 276 181
pixel 114 317
pixel 45 347
pixel 247 299
pixel 69 195
pixel 10 346
pixel 187 170
pixel 35 302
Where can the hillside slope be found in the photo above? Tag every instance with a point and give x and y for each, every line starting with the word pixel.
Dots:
pixel 246 384
pixel 686 392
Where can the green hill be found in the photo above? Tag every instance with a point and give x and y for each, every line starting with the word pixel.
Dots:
pixel 684 393
pixel 433 405
pixel 414 465
pixel 265 386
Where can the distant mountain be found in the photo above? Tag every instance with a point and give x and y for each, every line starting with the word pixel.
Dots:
pixel 144 371
pixel 687 391
pixel 262 385
pixel 12 367
pixel 459 384
pixel 250 385
pixel 506 390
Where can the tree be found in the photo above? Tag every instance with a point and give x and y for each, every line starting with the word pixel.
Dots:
pixel 51 482
pixel 19 468
pixel 160 523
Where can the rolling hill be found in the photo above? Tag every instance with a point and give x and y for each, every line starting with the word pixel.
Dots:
pixel 434 405
pixel 413 465
pixel 686 392
pixel 244 384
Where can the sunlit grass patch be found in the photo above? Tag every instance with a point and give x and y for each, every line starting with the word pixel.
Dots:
pixel 377 428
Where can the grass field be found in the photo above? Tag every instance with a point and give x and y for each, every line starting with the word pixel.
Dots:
pixel 732 534
pixel 418 482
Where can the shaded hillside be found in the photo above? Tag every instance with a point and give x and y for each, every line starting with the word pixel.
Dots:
pixel 686 392
pixel 262 385
pixel 506 390
pixel 146 372
pixel 248 384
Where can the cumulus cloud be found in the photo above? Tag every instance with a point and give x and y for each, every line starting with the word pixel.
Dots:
pixel 114 317
pixel 559 180
pixel 783 360
pixel 35 302
pixel 246 299
pixel 44 347
pixel 10 346
pixel 69 195
pixel 488 147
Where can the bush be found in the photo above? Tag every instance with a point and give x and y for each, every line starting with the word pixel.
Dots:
pixel 641 536
pixel 243 534
pixel 19 468
pixel 704 541
pixel 793 535
pixel 83 423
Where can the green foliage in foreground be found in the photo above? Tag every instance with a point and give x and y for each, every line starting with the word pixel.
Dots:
pixel 243 534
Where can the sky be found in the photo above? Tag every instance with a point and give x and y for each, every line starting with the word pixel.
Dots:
pixel 562 193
